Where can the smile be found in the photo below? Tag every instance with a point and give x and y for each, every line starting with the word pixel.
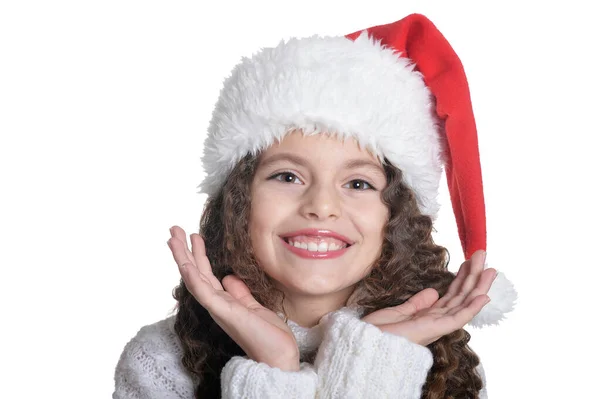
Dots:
pixel 311 250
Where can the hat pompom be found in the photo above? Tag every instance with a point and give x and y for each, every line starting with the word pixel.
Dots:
pixel 502 295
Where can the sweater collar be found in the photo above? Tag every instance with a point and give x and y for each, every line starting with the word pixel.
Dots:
pixel 309 338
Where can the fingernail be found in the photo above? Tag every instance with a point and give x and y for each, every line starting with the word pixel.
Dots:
pixel 171 231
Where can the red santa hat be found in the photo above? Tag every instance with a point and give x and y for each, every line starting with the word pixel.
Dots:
pixel 399 89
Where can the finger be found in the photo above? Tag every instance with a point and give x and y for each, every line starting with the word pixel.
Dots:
pixel 447 324
pixel 455 285
pixel 240 291
pixel 199 254
pixel 483 286
pixel 179 254
pixel 423 299
pixel 195 282
pixel 477 262
pixel 464 314
pixel 202 262
pixel 395 314
pixel 178 233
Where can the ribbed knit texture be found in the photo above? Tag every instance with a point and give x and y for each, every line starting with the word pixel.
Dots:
pixel 357 360
pixel 150 366
pixel 247 379
pixel 354 360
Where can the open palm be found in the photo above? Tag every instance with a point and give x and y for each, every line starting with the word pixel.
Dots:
pixel 424 319
pixel 262 334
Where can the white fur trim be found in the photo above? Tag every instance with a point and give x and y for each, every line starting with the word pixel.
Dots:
pixel 332 85
pixel 502 295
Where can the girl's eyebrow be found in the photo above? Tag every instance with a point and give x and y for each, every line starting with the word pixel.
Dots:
pixel 363 163
pixel 283 156
pixel 350 164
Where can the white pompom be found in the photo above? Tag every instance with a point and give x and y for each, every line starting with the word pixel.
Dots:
pixel 502 295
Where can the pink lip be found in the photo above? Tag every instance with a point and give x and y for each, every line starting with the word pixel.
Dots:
pixel 305 253
pixel 318 233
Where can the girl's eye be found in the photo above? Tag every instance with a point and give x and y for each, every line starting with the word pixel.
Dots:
pixel 289 177
pixel 358 184
pixel 286 177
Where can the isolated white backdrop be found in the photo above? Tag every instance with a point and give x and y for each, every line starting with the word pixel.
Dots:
pixel 103 111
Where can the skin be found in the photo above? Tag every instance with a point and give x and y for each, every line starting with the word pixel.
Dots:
pixel 321 193
pixel 317 190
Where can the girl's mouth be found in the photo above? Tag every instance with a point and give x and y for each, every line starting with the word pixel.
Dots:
pixel 310 249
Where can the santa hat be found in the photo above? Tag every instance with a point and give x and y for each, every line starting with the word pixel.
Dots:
pixel 398 89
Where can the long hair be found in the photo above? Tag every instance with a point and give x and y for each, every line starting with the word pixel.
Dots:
pixel 409 263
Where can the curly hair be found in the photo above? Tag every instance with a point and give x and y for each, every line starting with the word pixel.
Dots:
pixel 409 262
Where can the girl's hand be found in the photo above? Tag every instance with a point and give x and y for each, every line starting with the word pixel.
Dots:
pixel 423 319
pixel 257 330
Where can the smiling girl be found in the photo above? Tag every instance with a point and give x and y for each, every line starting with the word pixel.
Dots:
pixel 314 273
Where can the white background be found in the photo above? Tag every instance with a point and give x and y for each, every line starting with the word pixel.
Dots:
pixel 103 110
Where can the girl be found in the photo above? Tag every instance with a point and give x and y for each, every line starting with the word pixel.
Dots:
pixel 315 273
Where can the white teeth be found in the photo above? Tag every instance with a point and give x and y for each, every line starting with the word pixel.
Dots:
pixel 333 247
pixel 314 247
pixel 300 245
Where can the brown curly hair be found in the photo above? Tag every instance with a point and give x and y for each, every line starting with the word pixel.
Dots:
pixel 409 263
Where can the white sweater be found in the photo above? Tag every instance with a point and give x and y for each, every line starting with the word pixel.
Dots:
pixel 354 359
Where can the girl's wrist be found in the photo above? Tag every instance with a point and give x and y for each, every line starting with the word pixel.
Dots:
pixel 292 366
pixel 285 365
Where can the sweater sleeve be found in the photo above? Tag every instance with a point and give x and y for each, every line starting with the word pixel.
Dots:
pixel 357 360
pixel 150 366
pixel 243 378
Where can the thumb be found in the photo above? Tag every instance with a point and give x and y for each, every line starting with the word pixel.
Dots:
pixel 239 290
pixel 422 300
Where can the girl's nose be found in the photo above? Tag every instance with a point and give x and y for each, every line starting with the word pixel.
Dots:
pixel 321 203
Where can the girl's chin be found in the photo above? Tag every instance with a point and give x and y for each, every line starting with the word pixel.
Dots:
pixel 310 287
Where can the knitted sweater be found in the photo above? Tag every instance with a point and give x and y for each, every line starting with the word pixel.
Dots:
pixel 354 359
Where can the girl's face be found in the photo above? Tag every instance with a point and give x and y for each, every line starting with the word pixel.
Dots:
pixel 312 195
